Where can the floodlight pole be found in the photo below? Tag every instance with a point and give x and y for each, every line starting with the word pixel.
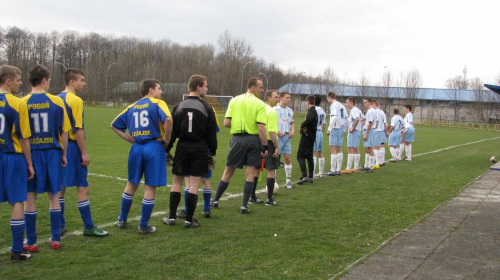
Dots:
pixel 267 79
pixel 243 70
pixel 65 68
pixel 107 92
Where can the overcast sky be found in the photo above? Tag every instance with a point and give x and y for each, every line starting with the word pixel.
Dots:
pixel 354 37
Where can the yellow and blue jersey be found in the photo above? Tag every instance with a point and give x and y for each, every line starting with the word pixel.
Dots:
pixel 14 123
pixel 74 108
pixel 48 120
pixel 144 119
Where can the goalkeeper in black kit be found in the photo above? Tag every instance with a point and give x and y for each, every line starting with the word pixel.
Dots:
pixel 307 138
pixel 194 124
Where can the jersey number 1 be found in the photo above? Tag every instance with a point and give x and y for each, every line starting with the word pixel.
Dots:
pixel 2 123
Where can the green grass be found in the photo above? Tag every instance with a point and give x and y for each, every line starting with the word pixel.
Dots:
pixel 321 228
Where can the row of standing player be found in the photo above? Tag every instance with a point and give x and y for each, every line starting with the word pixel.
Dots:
pixel 373 126
pixel 42 150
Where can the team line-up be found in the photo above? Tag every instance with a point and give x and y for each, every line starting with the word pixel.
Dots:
pixel 42 148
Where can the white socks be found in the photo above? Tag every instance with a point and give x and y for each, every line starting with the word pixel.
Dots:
pixel 350 158
pixel 357 157
pixel 321 165
pixel 333 162
pixel 367 160
pixel 288 172
pixel 340 159
pixel 377 157
pixel 372 162
pixel 401 147
pixel 408 151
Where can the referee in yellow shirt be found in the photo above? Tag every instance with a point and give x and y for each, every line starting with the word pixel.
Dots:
pixel 246 117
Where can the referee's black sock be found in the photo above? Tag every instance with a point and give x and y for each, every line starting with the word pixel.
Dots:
pixel 221 188
pixel 175 198
pixel 247 192
pixel 255 182
pixel 192 200
pixel 270 187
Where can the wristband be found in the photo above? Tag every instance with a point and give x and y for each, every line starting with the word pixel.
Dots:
pixel 265 148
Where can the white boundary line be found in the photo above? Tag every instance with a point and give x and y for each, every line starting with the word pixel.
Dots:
pixel 227 197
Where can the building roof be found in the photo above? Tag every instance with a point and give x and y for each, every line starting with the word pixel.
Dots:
pixel 392 92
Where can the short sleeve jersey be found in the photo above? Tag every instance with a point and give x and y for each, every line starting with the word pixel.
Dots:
pixel 246 111
pixel 321 117
pixel 370 117
pixel 74 108
pixel 338 115
pixel 14 123
pixel 397 122
pixel 285 118
pixel 272 120
pixel 194 120
pixel 408 120
pixel 354 114
pixel 381 120
pixel 48 120
pixel 144 119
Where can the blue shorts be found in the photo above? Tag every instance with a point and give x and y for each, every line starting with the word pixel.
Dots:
pixel 47 165
pixel 208 176
pixel 13 178
pixel 410 135
pixel 318 143
pixel 370 141
pixel 395 138
pixel 74 173
pixel 353 139
pixel 380 138
pixel 148 159
pixel 285 144
pixel 336 137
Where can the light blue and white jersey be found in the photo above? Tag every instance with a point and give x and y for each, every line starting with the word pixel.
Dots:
pixel 381 120
pixel 397 122
pixel 285 118
pixel 408 120
pixel 338 115
pixel 353 115
pixel 370 117
pixel 321 117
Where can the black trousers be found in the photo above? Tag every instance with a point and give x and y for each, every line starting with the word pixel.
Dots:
pixel 305 153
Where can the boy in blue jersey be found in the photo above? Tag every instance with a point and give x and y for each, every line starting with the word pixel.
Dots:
pixel 76 170
pixel 49 126
pixel 16 167
pixel 149 125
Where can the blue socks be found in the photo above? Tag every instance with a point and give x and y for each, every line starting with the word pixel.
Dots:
pixel 30 222
pixel 55 224
pixel 147 209
pixel 63 221
pixel 126 204
pixel 207 194
pixel 186 191
pixel 17 229
pixel 84 208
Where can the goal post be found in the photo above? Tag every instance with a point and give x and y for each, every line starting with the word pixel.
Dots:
pixel 220 102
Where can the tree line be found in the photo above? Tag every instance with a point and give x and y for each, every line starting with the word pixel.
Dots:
pixel 108 62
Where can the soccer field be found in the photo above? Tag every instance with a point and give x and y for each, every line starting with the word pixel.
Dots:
pixel 315 231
